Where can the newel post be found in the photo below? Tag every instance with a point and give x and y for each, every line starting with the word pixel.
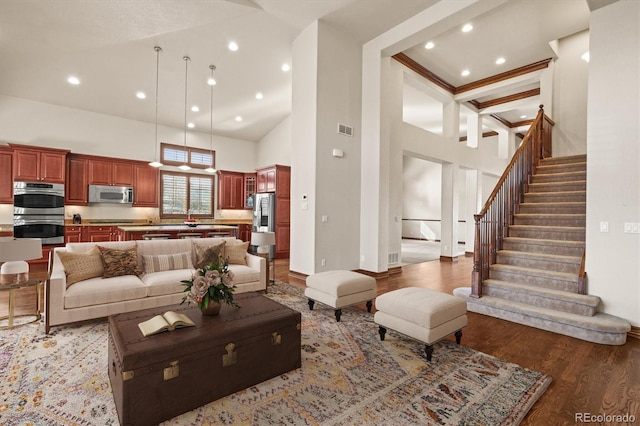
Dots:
pixel 476 275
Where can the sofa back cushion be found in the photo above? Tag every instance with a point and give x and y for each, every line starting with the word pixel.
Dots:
pixel 119 262
pixel 167 262
pixel 206 251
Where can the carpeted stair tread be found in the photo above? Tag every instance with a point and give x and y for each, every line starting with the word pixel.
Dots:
pixel 575 175
pixel 546 242
pixel 567 159
pixel 562 276
pixel 558 186
pixel 579 304
pixel 541 256
pixel 575 207
pixel 600 328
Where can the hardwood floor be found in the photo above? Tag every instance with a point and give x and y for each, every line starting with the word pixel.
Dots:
pixel 587 377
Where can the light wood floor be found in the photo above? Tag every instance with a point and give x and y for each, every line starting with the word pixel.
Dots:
pixel 587 377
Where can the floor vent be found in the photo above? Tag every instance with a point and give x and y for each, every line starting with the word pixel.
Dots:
pixel 343 129
pixel 394 258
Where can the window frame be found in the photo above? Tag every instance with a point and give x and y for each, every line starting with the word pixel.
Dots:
pixel 189 154
pixel 188 194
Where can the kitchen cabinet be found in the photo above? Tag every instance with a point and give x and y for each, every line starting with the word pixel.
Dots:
pixel 249 190
pixel 277 179
pixel 98 234
pixel 230 190
pixel 110 172
pixel 73 234
pixel 145 186
pixel 244 232
pixel 76 191
pixel 37 164
pixel 43 261
pixel 6 175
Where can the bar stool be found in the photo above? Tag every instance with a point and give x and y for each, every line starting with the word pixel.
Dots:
pixel 189 235
pixel 156 236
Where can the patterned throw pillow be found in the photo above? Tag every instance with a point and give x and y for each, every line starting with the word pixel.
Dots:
pixel 236 253
pixel 167 262
pixel 207 252
pixel 119 262
pixel 81 266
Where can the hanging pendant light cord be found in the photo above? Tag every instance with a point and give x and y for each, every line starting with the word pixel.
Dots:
pixel 211 168
pixel 186 78
pixel 158 50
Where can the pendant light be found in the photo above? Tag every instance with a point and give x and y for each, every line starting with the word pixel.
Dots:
pixel 157 162
pixel 186 59
pixel 210 169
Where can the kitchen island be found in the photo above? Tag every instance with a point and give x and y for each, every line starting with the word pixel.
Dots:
pixel 137 232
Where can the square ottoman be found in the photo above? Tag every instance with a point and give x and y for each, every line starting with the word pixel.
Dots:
pixel 339 289
pixel 422 314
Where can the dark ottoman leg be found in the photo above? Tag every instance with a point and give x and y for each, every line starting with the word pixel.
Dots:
pixel 382 331
pixel 458 336
pixel 311 302
pixel 428 349
pixel 369 305
pixel 338 314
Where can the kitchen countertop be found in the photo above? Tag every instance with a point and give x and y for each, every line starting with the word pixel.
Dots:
pixel 174 227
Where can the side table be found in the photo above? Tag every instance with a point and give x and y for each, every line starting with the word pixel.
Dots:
pixel 269 267
pixel 11 288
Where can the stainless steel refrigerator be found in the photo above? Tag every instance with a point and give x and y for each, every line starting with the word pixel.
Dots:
pixel 264 215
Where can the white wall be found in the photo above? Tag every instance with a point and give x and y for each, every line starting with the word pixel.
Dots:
pixel 275 147
pixel 422 198
pixel 39 124
pixel 613 158
pixel 570 96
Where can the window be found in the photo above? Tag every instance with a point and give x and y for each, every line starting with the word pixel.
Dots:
pixel 197 158
pixel 185 192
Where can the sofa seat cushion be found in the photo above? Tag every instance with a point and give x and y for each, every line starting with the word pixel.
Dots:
pixel 100 291
pixel 166 282
pixel 244 274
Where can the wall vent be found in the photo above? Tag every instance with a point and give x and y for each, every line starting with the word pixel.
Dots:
pixel 394 258
pixel 343 129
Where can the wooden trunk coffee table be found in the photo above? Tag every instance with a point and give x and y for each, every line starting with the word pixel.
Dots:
pixel 158 377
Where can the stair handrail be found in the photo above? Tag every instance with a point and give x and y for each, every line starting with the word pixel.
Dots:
pixel 492 223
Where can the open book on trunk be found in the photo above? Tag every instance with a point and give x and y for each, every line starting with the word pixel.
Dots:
pixel 168 321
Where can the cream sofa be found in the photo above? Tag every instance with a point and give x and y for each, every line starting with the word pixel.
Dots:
pixel 100 297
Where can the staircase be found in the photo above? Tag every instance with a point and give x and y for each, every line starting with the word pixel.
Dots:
pixel 536 278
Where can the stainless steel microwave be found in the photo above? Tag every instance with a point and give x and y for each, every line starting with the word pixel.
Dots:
pixel 110 194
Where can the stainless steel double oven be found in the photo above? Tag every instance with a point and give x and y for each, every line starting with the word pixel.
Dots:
pixel 38 211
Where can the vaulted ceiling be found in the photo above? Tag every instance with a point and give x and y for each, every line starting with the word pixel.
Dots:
pixel 109 46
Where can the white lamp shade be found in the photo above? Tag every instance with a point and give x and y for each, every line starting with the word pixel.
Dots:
pixel 263 238
pixel 12 249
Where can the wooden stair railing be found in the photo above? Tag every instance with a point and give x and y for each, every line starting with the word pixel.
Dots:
pixel 493 221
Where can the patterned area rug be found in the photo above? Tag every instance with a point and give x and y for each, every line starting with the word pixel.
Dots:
pixel 348 377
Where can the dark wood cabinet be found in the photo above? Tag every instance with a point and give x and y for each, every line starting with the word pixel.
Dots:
pixel 98 234
pixel 6 175
pixel 230 190
pixel 76 191
pixel 110 172
pixel 37 164
pixel 145 186
pixel 249 189
pixel 73 234
pixel 277 179
pixel 244 232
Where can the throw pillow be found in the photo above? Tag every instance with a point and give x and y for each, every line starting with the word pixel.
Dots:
pixel 207 252
pixel 81 266
pixel 119 262
pixel 167 262
pixel 236 253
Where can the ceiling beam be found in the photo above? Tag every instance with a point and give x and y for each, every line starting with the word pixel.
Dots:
pixel 506 99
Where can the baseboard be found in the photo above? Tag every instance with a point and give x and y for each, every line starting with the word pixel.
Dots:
pixel 451 259
pixel 468 254
pixel 635 332
pixel 385 274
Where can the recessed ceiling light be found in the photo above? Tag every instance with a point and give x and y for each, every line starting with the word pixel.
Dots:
pixel 285 67
pixel 238 118
pixel 259 95
pixel 211 82
pixel 73 80
pixel 233 46
pixel 585 56
pixel 500 61
pixel 195 108
pixel 141 95
pixel 429 45
pixel 467 28
pixel 523 116
pixel 465 73
pixel 191 125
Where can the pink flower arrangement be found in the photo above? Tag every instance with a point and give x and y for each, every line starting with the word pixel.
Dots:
pixel 214 282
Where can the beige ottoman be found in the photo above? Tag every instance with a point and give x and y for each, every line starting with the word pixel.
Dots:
pixel 423 314
pixel 339 289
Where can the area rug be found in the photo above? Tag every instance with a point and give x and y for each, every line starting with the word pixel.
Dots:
pixel 348 377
